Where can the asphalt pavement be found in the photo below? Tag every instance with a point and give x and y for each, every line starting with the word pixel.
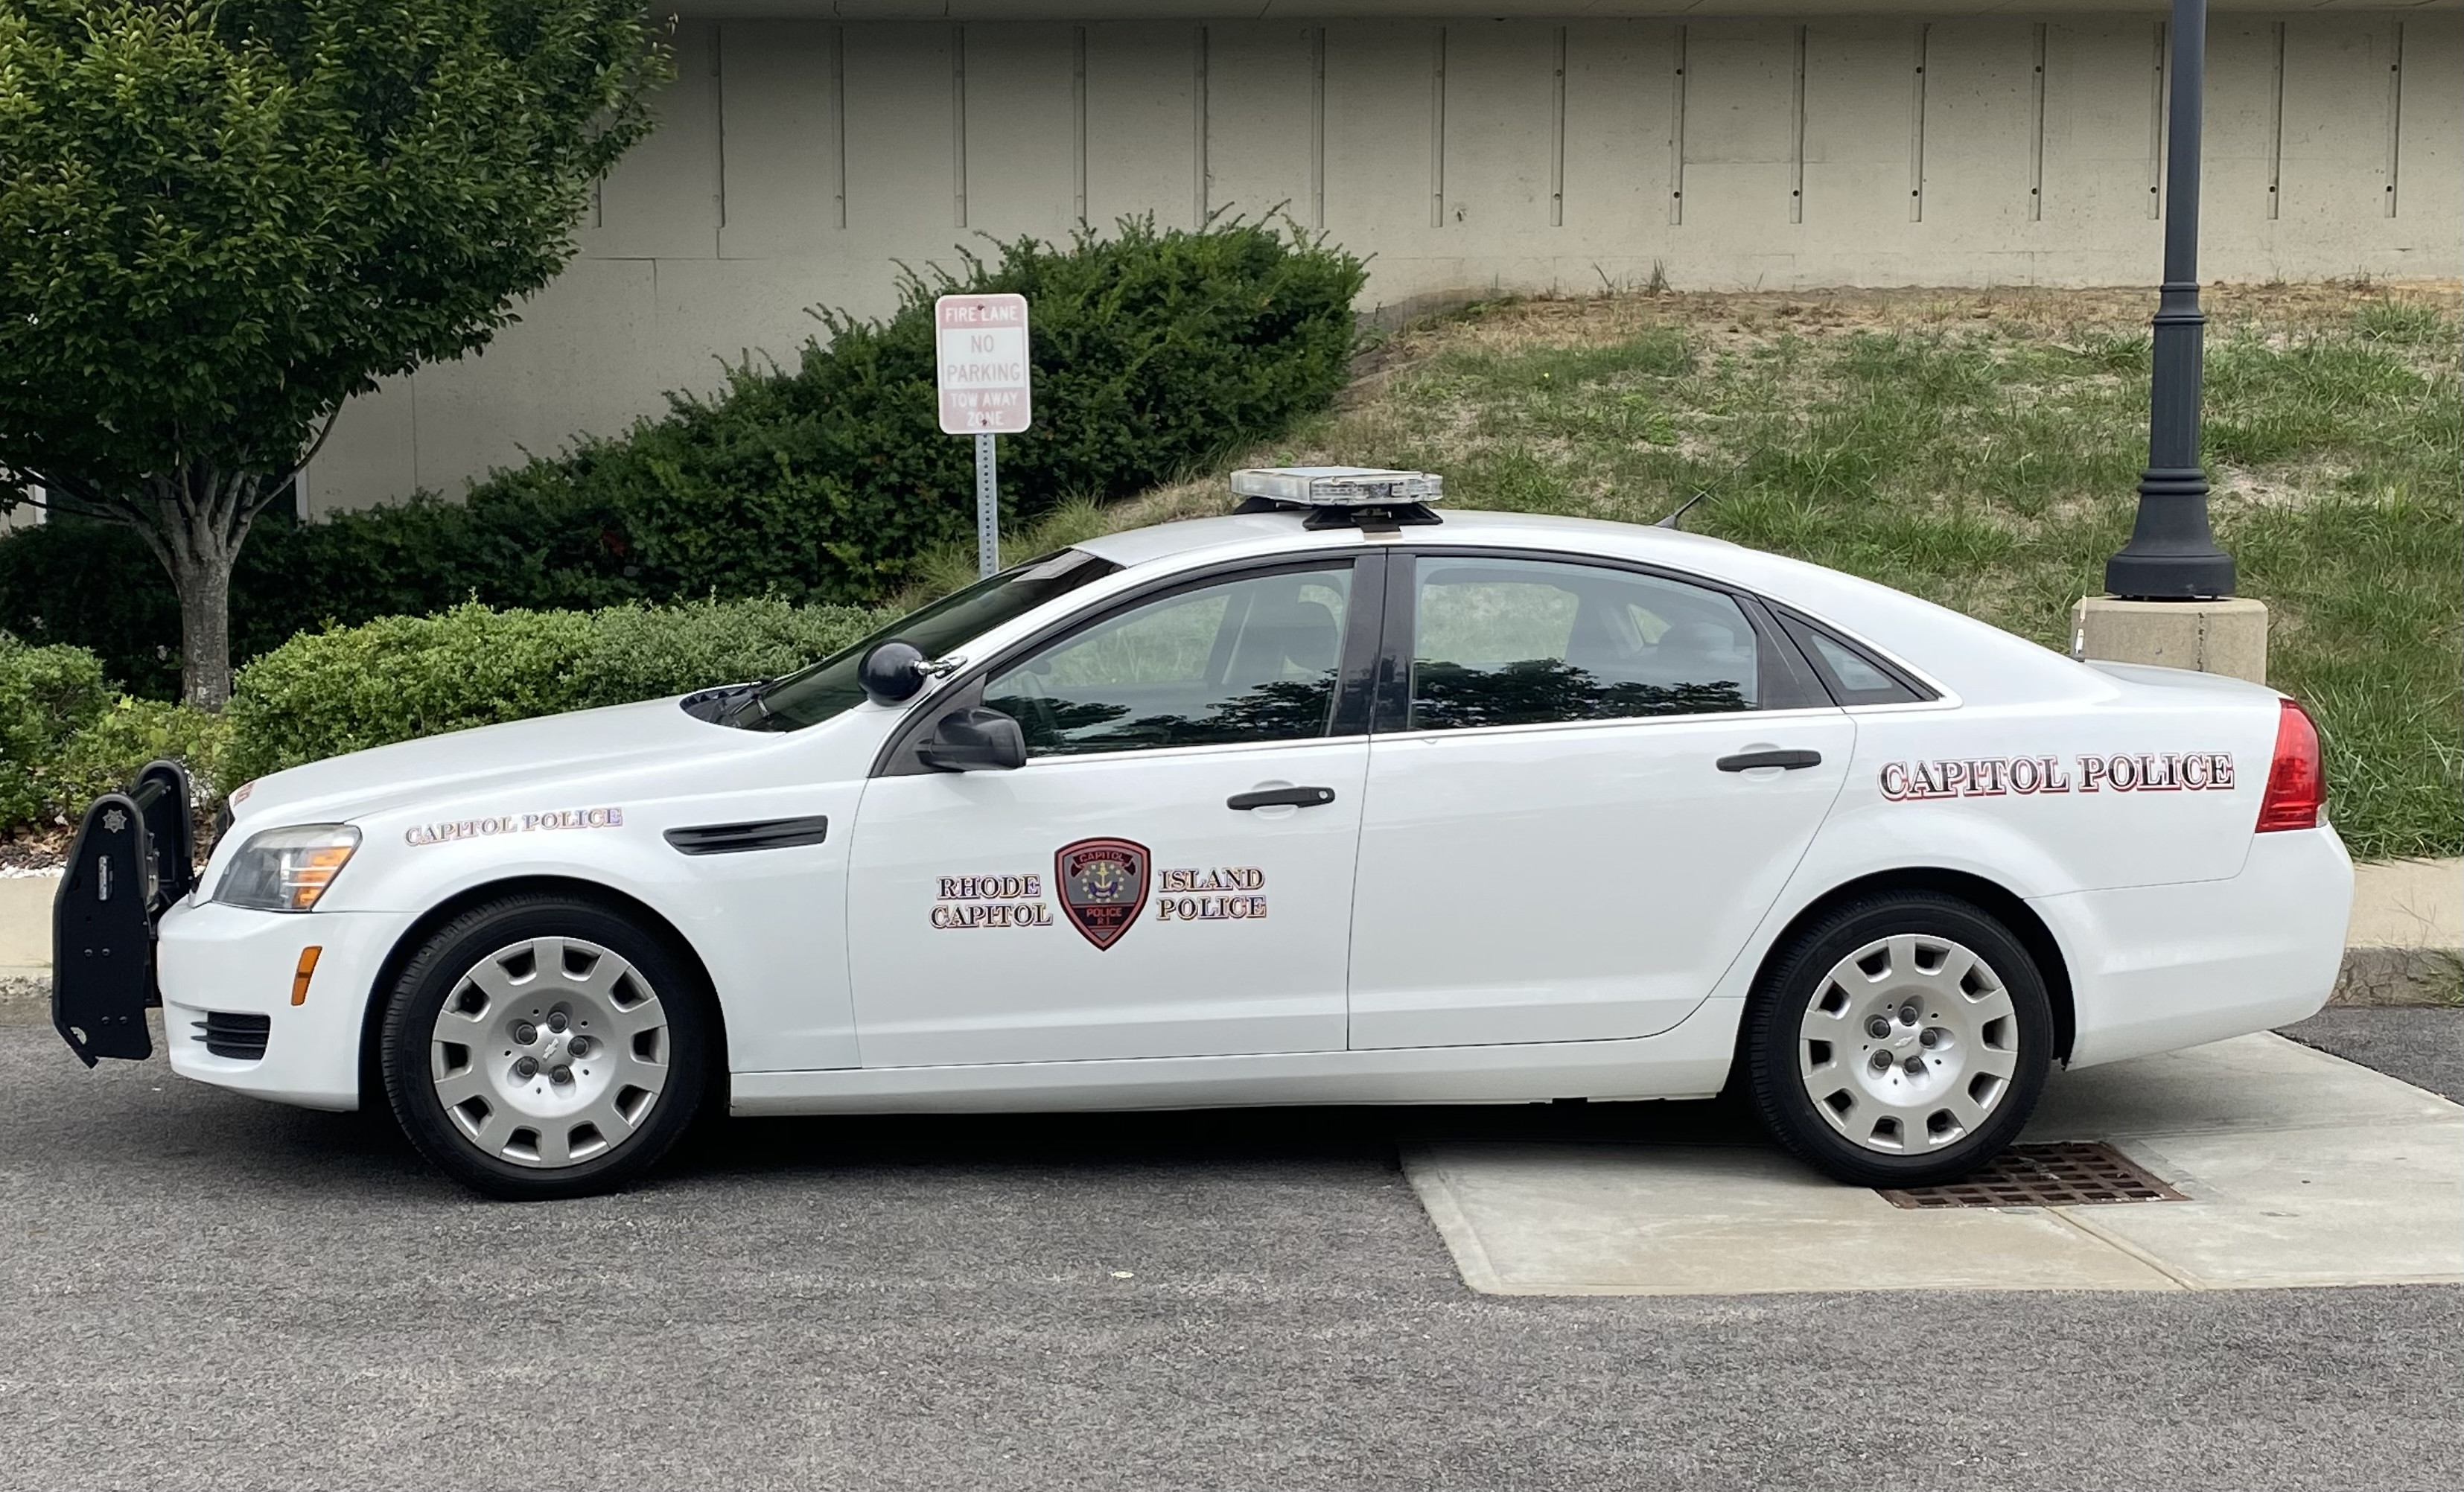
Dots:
pixel 2424 1045
pixel 204 1291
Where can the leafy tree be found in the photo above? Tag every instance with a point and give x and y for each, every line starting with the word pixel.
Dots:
pixel 224 218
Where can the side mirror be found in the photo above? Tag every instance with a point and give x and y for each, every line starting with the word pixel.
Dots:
pixel 974 740
pixel 892 672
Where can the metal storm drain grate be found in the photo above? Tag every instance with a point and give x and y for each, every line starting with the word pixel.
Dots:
pixel 2044 1175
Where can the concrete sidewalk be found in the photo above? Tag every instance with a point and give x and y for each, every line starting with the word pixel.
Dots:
pixel 2301 1168
pixel 2406 943
pixel 25 931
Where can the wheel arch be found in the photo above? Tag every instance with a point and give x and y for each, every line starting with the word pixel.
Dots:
pixel 632 907
pixel 1998 901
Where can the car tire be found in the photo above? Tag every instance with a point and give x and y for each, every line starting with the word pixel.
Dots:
pixel 543 1047
pixel 1901 1040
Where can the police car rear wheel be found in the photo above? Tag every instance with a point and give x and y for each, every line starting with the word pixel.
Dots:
pixel 1901 1041
pixel 540 1047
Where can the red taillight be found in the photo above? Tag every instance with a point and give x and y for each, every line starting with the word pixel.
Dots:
pixel 2296 779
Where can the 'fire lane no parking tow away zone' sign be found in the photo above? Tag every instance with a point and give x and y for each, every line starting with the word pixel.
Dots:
pixel 982 363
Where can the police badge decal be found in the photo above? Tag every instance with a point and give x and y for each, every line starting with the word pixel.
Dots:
pixel 1103 887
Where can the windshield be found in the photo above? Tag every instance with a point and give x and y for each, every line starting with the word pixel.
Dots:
pixel 815 693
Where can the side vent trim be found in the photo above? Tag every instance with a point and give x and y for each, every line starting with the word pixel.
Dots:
pixel 728 839
pixel 239 1037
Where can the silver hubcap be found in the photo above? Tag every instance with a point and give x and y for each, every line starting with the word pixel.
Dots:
pixel 1909 1044
pixel 550 1052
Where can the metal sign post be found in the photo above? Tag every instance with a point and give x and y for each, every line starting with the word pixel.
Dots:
pixel 981 372
pixel 987 507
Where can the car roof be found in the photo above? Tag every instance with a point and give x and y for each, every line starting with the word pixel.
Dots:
pixel 1251 532
pixel 1958 653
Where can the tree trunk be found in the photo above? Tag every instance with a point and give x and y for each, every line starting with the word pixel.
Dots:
pixel 200 573
pixel 194 519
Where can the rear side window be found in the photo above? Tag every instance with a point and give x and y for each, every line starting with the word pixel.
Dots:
pixel 1528 641
pixel 1852 675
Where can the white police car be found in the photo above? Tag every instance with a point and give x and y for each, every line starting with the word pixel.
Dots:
pixel 1324 801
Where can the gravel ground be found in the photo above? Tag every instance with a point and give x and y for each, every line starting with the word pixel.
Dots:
pixel 203 1291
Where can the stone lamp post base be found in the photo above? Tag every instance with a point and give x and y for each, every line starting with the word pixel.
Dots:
pixel 2223 636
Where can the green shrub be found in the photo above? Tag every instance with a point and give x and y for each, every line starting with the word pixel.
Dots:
pixel 642 652
pixel 347 689
pixel 95 586
pixel 107 756
pixel 64 739
pixel 46 694
pixel 1154 351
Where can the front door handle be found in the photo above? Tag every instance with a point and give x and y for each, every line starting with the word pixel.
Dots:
pixel 1748 760
pixel 1282 798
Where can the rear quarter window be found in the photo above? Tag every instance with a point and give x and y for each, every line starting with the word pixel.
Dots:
pixel 1853 675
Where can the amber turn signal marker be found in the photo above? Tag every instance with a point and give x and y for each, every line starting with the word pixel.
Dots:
pixel 306 970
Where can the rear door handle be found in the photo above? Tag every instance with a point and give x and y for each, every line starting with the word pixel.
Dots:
pixel 1282 798
pixel 1748 760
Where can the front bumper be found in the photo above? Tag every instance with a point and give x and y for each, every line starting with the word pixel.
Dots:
pixel 127 933
pixel 2158 968
pixel 211 961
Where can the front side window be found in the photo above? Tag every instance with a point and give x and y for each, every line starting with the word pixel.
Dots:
pixel 829 688
pixel 1526 642
pixel 1246 660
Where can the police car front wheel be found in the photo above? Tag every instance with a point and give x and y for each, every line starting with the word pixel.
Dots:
pixel 541 1046
pixel 1902 1040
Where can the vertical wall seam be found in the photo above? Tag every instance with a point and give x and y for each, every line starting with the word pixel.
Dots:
pixel 2396 115
pixel 1203 197
pixel 1078 121
pixel 1438 128
pixel 838 119
pixel 1317 128
pixel 2156 87
pixel 2276 129
pixel 1796 137
pixel 1917 125
pixel 1677 129
pixel 2037 131
pixel 718 144
pixel 411 390
pixel 1557 139
pixel 959 124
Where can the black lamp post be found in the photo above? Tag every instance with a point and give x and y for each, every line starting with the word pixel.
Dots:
pixel 2173 554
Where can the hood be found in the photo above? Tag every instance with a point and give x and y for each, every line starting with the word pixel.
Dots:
pixel 550 749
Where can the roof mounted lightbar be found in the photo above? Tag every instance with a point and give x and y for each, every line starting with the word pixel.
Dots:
pixel 1341 496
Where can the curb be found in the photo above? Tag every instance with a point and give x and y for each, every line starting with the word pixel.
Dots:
pixel 25 994
pixel 2381 975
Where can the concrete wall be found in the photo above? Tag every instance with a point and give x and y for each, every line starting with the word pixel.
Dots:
pixel 799 158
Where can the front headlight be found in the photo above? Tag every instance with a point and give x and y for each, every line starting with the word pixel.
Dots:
pixel 287 869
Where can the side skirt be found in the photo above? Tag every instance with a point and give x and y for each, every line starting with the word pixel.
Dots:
pixel 1688 1061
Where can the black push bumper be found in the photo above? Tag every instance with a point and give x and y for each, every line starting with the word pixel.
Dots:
pixel 131 859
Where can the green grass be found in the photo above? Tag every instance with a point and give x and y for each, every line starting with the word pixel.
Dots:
pixel 2446 983
pixel 1986 455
